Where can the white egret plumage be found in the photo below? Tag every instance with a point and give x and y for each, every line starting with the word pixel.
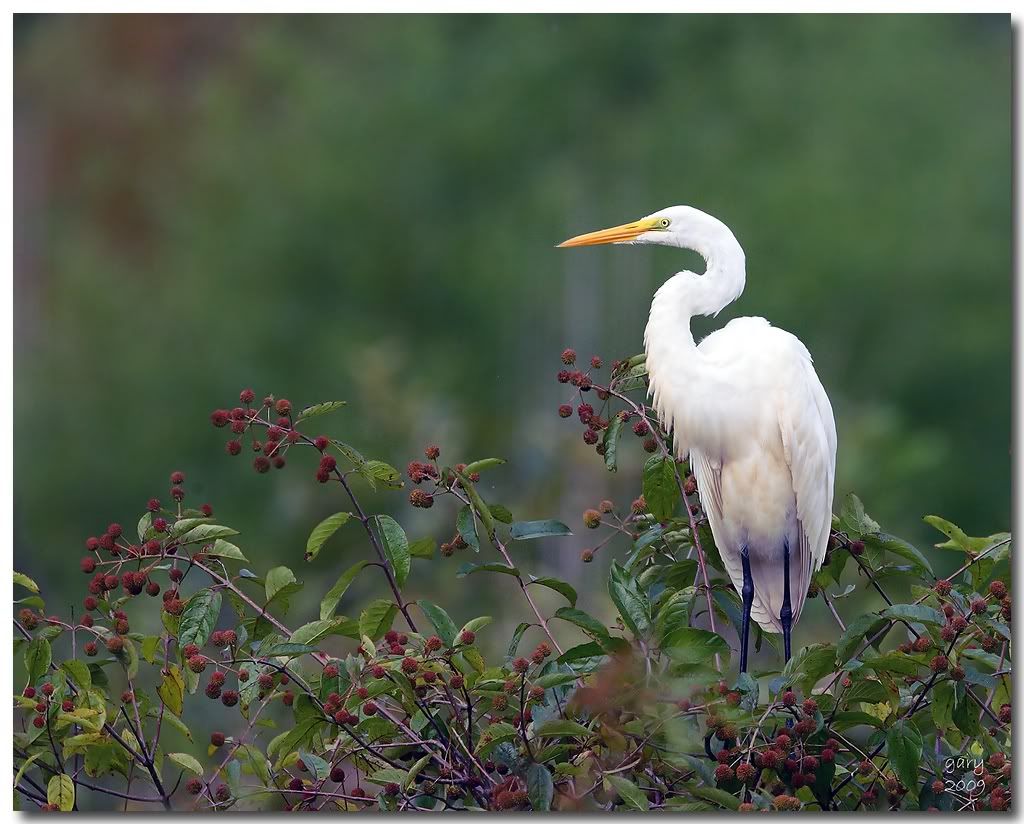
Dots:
pixel 748 408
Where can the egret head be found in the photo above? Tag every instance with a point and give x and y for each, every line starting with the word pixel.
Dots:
pixel 674 226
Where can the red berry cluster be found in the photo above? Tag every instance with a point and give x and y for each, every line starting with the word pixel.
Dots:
pixel 444 482
pixel 272 432
pixel 596 422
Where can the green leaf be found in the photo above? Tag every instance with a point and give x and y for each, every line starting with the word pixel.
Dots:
pixel 389 775
pixel 561 727
pixel 479 507
pixel 943 701
pixel 174 721
pixel 61 792
pixel 443 624
pixel 206 532
pixel 539 787
pixel 423 548
pixel 224 549
pixel 470 569
pixel 555 679
pixel 810 664
pixel 893 662
pixel 965 714
pixel 855 718
pixel 294 738
pixel 78 673
pixel 714 795
pixel 561 587
pixel 376 619
pixel 661 492
pixel 315 630
pixel 186 762
pixel 589 624
pixel 37 659
pixel 494 735
pixel 256 761
pixel 631 600
pixel 277 580
pixel 859 628
pixel 903 746
pixel 321 532
pixel 500 513
pixel 415 770
pixel 527 530
pixel 130 658
pixel 689 645
pixel 28 763
pixel 958 539
pixel 145 524
pixel 396 547
pixel 914 613
pixel 172 689
pixel 482 464
pixel 21 579
pixel 854 519
pixel 476 624
pixel 517 636
pixel 183 525
pixel 199 618
pixel 611 443
pixel 629 792
pixel 674 613
pixel 582 652
pixel 350 453
pixel 317 766
pixel 897 546
pixel 466 526
pixel 319 409
pixel 335 593
pixel 473 658
pixel 378 472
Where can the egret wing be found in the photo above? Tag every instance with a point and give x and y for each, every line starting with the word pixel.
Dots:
pixel 808 431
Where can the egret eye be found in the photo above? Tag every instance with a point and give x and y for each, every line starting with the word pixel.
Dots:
pixel 664 222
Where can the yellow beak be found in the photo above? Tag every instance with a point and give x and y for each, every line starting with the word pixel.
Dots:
pixel 616 234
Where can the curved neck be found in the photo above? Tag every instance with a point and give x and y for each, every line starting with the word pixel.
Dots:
pixel 687 294
pixel 674 363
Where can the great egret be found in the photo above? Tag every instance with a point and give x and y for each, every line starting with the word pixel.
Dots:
pixel 749 409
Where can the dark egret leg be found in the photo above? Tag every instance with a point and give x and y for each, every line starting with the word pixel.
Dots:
pixel 748 600
pixel 786 614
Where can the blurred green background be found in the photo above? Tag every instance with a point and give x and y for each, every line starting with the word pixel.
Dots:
pixel 365 208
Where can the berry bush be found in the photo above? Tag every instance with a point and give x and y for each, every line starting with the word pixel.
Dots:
pixel 398 709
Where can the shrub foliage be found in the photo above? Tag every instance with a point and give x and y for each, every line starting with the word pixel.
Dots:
pixel 908 709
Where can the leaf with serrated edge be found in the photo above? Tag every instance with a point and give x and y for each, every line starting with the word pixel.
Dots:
pixel 539 787
pixel 335 593
pixel 376 619
pixel 322 531
pixel 199 617
pixel 319 409
pixel 526 530
pixel 186 762
pixel 225 549
pixel 561 587
pixel 629 792
pixel 396 547
pixel 172 689
pixel 61 792
pixel 442 622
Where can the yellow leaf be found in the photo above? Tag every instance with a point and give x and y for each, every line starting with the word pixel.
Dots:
pixel 880 711
pixel 172 690
pixel 61 792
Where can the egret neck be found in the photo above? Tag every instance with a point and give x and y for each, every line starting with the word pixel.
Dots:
pixel 668 341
